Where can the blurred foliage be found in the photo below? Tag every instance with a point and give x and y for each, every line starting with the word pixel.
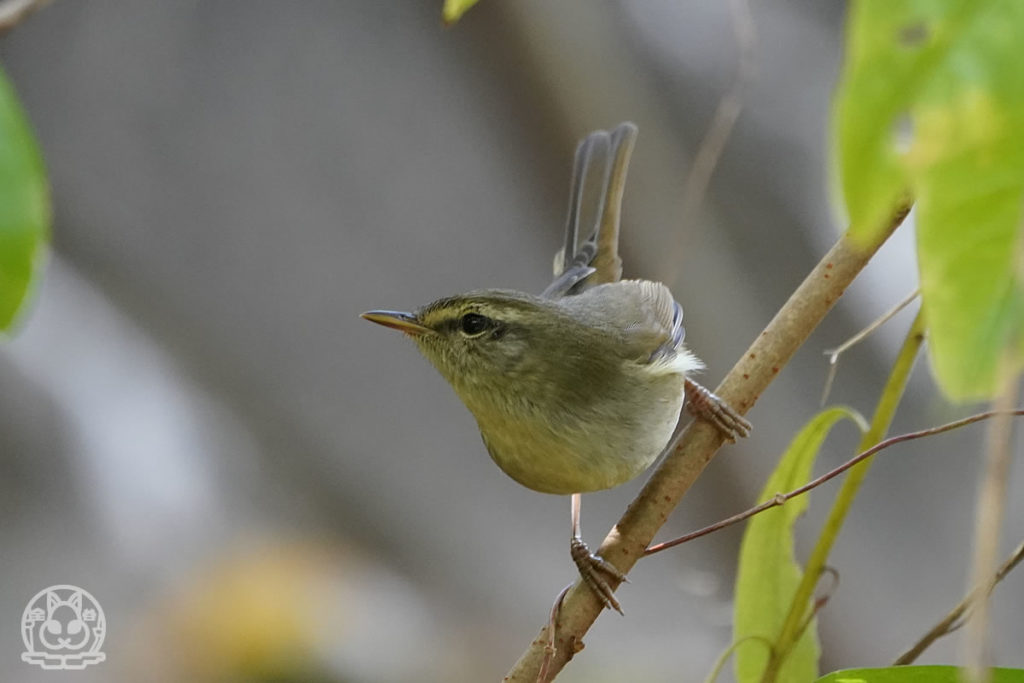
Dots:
pixel 24 207
pixel 454 9
pixel 768 572
pixel 916 674
pixel 932 102
pixel 256 617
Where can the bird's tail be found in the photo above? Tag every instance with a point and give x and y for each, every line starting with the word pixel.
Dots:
pixel 595 206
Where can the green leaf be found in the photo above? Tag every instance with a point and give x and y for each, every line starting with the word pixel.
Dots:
pixel 947 76
pixel 454 9
pixel 768 572
pixel 723 658
pixel 893 50
pixel 916 674
pixel 24 208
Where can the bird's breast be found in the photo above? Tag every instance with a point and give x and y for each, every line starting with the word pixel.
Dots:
pixel 579 448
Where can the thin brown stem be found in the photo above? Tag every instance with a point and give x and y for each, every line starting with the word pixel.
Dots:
pixel 955 618
pixel 781 498
pixel 833 354
pixel 988 522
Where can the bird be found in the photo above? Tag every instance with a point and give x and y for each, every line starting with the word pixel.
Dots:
pixel 581 387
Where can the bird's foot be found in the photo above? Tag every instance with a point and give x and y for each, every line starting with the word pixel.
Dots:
pixel 594 570
pixel 702 404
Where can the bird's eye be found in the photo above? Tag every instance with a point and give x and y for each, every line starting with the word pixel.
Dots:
pixel 473 324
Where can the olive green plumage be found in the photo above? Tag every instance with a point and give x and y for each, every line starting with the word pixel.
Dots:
pixel 573 394
pixel 578 389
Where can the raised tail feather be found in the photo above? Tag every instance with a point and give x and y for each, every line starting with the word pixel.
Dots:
pixel 595 206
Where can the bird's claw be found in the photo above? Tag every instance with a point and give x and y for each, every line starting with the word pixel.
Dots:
pixel 591 568
pixel 703 404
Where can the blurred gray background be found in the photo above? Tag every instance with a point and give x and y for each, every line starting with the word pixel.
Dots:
pixel 257 485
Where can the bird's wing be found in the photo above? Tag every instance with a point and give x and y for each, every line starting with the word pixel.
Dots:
pixel 659 327
pixel 595 205
pixel 643 314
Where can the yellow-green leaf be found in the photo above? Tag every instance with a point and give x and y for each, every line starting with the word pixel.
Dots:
pixel 932 101
pixel 916 674
pixel 24 207
pixel 454 9
pixel 768 571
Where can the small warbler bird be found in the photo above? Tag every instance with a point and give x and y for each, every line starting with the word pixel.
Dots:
pixel 580 388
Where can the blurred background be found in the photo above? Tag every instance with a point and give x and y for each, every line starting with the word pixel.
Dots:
pixel 256 485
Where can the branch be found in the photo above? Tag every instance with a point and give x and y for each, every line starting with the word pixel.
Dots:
pixel 626 542
pixel 728 112
pixel 990 510
pixel 709 153
pixel 833 354
pixel 780 498
pixel 954 619
pixel 13 12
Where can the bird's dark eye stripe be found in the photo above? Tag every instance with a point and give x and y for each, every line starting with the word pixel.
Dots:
pixel 474 323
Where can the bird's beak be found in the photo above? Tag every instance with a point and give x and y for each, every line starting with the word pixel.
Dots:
pixel 396 320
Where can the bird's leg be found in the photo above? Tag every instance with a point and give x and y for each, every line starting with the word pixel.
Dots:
pixel 593 569
pixel 704 405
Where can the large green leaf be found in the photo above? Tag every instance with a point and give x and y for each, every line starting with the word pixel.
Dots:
pixel 768 571
pixel 916 674
pixel 932 101
pixel 24 207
